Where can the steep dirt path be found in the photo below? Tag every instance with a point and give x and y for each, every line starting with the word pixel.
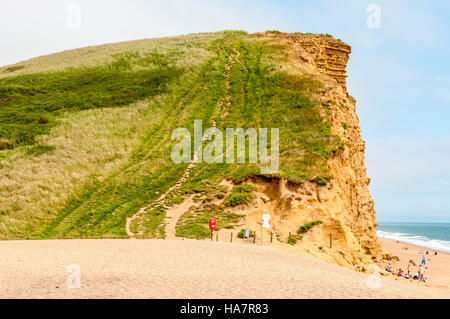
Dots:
pixel 160 200
pixel 173 214
pixel 237 58
pixel 129 220
pixel 226 102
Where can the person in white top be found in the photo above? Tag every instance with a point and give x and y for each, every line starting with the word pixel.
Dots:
pixel 421 273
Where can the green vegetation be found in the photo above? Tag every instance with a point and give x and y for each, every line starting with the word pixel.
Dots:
pixel 14 68
pixel 231 33
pixel 273 31
pixel 322 180
pixel 241 194
pixel 307 226
pixel 153 223
pixel 31 103
pixel 242 233
pixel 315 34
pixel 91 145
pixel 333 102
pixel 194 223
pixel 193 230
pixel 102 208
pixel 292 240
pixel 263 97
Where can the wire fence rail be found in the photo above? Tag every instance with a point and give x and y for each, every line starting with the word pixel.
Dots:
pixel 35 237
pixel 232 238
pixel 20 236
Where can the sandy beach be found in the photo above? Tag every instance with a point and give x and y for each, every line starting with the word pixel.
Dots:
pixel 183 269
pixel 437 266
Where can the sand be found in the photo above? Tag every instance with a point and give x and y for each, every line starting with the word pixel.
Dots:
pixel 173 214
pixel 437 267
pixel 182 269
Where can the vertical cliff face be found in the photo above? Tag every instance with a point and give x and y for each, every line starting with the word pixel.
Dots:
pixel 344 205
pixel 350 182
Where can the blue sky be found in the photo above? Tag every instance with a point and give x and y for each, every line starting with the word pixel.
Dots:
pixel 399 73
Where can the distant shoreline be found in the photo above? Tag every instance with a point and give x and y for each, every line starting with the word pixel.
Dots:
pixel 434 236
pixel 417 244
pixel 430 250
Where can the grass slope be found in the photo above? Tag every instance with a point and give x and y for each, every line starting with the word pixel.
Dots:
pixel 229 66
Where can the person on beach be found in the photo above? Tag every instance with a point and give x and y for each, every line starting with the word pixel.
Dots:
pixel 388 267
pixel 409 270
pixel 424 260
pixel 421 273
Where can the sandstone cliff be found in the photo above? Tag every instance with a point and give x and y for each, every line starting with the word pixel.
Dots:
pixel 344 205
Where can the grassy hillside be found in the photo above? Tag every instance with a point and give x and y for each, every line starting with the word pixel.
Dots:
pixel 85 146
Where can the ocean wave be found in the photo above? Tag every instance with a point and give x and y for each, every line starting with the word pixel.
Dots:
pixel 418 240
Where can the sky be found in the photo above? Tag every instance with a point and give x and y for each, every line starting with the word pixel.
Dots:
pixel 399 70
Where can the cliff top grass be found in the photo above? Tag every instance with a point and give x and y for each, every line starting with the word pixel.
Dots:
pixel 85 142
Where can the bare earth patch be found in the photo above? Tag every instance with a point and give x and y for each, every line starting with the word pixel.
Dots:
pixel 173 214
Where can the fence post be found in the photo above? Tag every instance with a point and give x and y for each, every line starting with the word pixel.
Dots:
pixel 254 236
pixel 331 241
pixel 289 237
pixel 271 236
pixel 231 237
pixel 217 237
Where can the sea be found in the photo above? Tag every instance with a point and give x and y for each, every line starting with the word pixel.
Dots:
pixel 431 235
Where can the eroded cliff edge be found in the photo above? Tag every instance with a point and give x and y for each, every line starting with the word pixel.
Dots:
pixel 350 183
pixel 344 205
